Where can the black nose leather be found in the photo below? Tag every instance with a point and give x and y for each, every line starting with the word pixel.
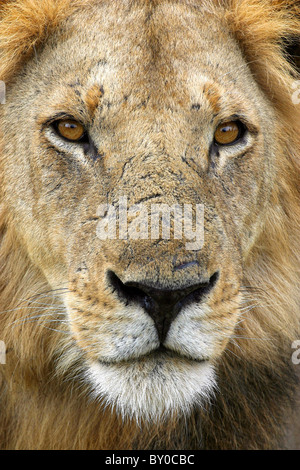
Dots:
pixel 163 305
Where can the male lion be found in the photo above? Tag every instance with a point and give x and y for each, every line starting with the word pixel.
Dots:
pixel 129 341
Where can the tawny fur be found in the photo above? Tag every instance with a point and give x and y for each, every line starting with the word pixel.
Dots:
pixel 44 403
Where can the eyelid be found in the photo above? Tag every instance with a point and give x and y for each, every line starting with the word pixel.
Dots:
pixel 250 126
pixel 62 116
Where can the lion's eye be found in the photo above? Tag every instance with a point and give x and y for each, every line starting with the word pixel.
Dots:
pixel 70 130
pixel 228 133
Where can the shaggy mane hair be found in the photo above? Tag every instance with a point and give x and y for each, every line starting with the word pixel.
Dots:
pixel 41 405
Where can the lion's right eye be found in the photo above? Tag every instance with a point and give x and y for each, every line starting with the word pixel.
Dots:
pixel 229 133
pixel 70 130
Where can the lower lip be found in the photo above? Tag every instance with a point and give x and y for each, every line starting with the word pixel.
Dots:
pixel 160 353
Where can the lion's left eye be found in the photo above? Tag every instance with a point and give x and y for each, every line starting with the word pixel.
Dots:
pixel 229 133
pixel 70 129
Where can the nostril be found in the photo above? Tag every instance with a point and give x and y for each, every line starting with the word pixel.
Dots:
pixel 200 290
pixel 163 305
pixel 128 293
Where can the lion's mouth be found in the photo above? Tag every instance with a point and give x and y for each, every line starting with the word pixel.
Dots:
pixel 159 354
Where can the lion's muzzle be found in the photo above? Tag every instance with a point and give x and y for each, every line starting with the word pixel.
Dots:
pixel 163 305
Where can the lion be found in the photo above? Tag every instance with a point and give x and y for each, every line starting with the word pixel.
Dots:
pixel 116 339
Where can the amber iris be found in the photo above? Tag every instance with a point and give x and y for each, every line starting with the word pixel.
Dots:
pixel 227 133
pixel 70 129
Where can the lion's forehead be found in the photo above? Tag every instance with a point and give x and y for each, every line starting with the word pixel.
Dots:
pixel 161 58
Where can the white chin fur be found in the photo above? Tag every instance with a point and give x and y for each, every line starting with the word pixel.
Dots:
pixel 152 388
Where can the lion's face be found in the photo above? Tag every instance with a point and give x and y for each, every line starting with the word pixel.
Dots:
pixel 152 314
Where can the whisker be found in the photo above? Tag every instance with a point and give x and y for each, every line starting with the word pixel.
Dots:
pixel 227 350
pixel 28 308
pixel 250 337
pixel 40 303
pixel 41 315
pixel 41 294
pixel 59 331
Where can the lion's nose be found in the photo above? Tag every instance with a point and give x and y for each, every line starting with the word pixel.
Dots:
pixel 163 305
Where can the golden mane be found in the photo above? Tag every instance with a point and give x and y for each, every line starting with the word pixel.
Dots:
pixel 255 368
